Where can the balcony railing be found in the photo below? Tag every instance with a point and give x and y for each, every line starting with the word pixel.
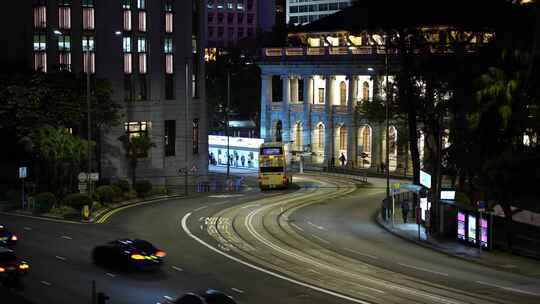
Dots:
pixel 357 50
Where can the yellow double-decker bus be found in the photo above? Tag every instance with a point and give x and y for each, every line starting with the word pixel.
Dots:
pixel 273 172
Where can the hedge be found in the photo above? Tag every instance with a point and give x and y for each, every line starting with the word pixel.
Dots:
pixel 143 188
pixel 123 184
pixel 105 194
pixel 77 200
pixel 44 202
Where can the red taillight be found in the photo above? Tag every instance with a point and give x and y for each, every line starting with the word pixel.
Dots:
pixel 14 237
pixel 160 253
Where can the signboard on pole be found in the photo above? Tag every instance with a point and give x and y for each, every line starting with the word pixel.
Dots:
pixel 82 177
pixel 22 172
pixel 94 176
pixel 425 179
pixel 461 225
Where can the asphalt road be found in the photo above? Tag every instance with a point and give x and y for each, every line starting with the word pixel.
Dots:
pixel 318 244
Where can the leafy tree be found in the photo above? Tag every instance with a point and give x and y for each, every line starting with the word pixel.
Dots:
pixel 136 147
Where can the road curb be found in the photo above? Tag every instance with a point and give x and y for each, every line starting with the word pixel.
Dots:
pixel 433 247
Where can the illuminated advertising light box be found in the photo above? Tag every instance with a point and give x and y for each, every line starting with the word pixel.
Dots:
pixel 243 152
pixel 461 225
pixel 447 194
pixel 424 205
pixel 471 228
pixel 483 232
pixel 425 179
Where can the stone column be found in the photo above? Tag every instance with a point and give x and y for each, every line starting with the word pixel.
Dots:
pixel 329 127
pixel 352 126
pixel 266 98
pixel 308 88
pixel 294 89
pixel 285 110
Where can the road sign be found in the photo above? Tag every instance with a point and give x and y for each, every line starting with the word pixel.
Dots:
pixel 481 205
pixel 22 172
pixel 83 187
pixel 94 176
pixel 82 177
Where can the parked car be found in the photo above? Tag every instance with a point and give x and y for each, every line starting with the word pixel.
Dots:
pixel 7 238
pixel 210 296
pixel 129 254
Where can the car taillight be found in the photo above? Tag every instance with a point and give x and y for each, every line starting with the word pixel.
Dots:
pixel 160 253
pixel 137 257
pixel 24 266
pixel 14 237
pixel 2 269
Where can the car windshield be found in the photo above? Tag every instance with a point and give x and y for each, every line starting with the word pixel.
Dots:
pixel 7 256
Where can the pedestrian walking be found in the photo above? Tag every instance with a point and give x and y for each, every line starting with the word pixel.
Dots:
pixel 342 159
pixel 405 210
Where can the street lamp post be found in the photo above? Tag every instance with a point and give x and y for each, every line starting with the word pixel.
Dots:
pixel 88 117
pixel 387 114
pixel 227 119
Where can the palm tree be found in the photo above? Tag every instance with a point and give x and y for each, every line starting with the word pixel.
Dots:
pixel 136 147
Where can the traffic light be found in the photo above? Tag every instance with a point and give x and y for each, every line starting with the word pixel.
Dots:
pixel 102 298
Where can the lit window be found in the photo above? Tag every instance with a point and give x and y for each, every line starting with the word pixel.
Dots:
pixel 128 63
pixel 40 61
pixel 168 45
pixel 141 4
pixel 137 129
pixel 142 64
pixel 169 64
pixel 141 45
pixel 142 21
pixel 88 43
pixel 92 59
pixel 88 18
pixel 40 17
pixel 40 43
pixel 127 20
pixel 88 3
pixel 126 44
pixel 168 22
pixel 64 61
pixel 126 4
pixel 64 43
pixel 64 17
pixel 169 5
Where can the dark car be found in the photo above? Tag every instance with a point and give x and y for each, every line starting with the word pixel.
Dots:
pixel 210 296
pixel 11 268
pixel 129 254
pixel 7 238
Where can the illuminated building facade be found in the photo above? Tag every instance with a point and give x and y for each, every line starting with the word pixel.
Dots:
pixel 311 92
pixel 306 11
pixel 152 54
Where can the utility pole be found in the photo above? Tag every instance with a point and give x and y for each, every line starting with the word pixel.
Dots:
pixel 89 134
pixel 387 167
pixel 186 126
pixel 227 117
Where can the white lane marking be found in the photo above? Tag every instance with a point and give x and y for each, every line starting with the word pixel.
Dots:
pixel 27 228
pixel 274 274
pixel 361 253
pixel 110 274
pixel 316 226
pixel 297 227
pixel 509 288
pixel 67 237
pixel 258 236
pixel 200 208
pixel 314 271
pixel 221 203
pixel 237 290
pixel 45 283
pixel 250 205
pixel 424 269
pixel 61 258
pixel 320 239
pixel 177 268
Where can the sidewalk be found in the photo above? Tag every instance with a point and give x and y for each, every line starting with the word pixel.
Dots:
pixel 494 259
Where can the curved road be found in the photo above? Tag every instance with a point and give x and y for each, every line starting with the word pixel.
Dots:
pixel 318 244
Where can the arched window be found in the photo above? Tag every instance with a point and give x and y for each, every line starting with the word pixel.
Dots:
pixel 364 149
pixel 343 93
pixel 342 138
pixel 365 91
pixel 320 135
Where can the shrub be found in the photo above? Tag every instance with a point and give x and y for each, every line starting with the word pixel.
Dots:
pixel 105 194
pixel 117 193
pixel 123 184
pixel 77 200
pixel 63 210
pixel 130 195
pixel 44 202
pixel 13 196
pixel 159 190
pixel 96 206
pixel 143 188
pixel 103 182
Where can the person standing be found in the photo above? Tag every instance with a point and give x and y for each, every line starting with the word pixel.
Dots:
pixel 405 210
pixel 342 159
